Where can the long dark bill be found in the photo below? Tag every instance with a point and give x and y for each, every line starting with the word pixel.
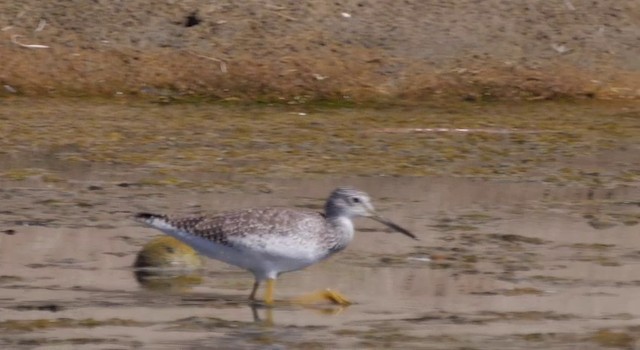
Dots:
pixel 393 226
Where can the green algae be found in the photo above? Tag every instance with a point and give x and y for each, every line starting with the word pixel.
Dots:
pixel 6 279
pixel 521 291
pixel 553 280
pixel 20 174
pixel 592 246
pixel 42 324
pixel 613 339
pixel 527 316
pixel 512 238
pixel 206 323
pixel 262 141
pixel 48 342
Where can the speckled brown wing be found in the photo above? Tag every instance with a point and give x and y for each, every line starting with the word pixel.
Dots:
pixel 260 226
pixel 249 226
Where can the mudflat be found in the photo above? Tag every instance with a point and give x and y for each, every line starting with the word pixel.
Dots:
pixel 527 216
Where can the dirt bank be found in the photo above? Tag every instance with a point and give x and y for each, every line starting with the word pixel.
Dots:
pixel 355 49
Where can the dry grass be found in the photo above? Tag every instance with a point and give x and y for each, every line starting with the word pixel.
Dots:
pixel 359 75
pixel 302 51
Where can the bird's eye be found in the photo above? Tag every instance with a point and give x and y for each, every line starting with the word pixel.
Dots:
pixel 355 199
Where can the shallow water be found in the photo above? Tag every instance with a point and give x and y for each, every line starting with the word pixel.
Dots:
pixel 540 258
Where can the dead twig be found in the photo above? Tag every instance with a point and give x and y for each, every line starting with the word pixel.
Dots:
pixel 41 25
pixel 223 64
pixel 275 7
pixel 459 130
pixel 285 16
pixel 14 39
pixel 569 5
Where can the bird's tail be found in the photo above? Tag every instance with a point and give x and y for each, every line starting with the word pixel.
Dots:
pixel 147 218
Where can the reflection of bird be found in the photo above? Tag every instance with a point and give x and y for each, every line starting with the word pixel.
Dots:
pixel 270 241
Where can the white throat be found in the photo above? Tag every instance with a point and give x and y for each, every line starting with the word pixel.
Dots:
pixel 345 225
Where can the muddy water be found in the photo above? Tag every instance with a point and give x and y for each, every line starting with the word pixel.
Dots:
pixel 508 257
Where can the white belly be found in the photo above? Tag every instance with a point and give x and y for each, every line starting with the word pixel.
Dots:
pixel 265 260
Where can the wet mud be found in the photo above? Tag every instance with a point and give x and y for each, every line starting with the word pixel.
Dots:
pixel 528 224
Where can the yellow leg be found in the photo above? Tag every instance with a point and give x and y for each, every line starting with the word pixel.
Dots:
pixel 323 295
pixel 268 293
pixel 252 296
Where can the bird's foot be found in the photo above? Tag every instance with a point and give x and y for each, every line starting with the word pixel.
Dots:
pixel 321 296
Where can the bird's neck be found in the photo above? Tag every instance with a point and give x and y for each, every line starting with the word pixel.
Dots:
pixel 343 227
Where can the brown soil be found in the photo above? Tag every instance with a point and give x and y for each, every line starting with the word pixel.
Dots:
pixel 360 50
